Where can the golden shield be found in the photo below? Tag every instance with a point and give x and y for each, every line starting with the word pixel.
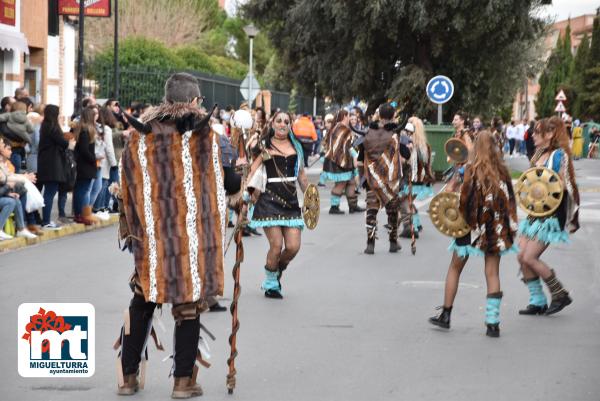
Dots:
pixel 445 215
pixel 456 150
pixel 539 191
pixel 311 209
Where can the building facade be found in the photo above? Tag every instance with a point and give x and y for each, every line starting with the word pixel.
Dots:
pixel 524 104
pixel 37 51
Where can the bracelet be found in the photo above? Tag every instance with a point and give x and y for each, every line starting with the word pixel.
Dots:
pixel 246 196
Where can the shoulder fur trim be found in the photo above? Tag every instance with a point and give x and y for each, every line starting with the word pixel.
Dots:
pixel 170 110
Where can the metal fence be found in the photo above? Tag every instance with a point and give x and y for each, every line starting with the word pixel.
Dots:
pixel 147 86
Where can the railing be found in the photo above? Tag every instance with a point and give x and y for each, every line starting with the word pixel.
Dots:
pixel 146 85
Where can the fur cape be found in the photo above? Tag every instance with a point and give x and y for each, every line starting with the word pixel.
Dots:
pixel 492 217
pixel 339 145
pixel 175 205
pixel 382 163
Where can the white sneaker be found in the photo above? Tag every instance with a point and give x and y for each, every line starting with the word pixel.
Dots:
pixel 4 236
pixel 25 233
pixel 52 226
pixel 102 215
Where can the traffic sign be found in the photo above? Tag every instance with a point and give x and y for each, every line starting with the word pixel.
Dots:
pixel 244 86
pixel 560 107
pixel 561 97
pixel 440 89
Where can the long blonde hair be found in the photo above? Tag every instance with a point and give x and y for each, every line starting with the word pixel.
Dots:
pixel 487 163
pixel 419 137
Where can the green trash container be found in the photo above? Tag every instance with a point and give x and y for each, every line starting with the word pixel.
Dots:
pixel 437 135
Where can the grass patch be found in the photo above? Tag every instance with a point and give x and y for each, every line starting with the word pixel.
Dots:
pixel 515 174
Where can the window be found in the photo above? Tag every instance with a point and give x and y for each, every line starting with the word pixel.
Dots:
pixel 53 18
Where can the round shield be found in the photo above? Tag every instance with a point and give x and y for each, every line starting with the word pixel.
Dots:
pixel 311 207
pixel 242 119
pixel 445 215
pixel 539 191
pixel 456 150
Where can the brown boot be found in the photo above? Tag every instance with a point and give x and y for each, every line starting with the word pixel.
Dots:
pixel 185 387
pixel 130 385
pixel 86 214
pixel 35 229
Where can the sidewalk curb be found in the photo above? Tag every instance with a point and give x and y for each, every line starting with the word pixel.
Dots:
pixel 49 235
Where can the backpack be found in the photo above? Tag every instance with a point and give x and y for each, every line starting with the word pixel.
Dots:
pixel 70 169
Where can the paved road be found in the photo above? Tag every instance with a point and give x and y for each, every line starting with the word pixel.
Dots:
pixel 351 326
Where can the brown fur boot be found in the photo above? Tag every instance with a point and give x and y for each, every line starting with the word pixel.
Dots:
pixel 186 387
pixel 86 214
pixel 130 385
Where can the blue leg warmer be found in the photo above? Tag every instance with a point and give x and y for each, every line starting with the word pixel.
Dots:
pixel 492 309
pixel 536 293
pixel 271 281
pixel 335 200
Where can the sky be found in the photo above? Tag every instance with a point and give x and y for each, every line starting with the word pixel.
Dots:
pixel 562 9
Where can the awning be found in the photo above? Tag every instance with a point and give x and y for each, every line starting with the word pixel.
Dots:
pixel 13 40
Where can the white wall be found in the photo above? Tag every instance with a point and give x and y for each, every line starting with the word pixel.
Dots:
pixel 68 78
pixel 53 58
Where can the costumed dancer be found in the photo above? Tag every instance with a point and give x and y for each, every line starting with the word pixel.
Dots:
pixel 421 176
pixel 272 186
pixel 338 165
pixel 173 193
pixel 462 132
pixel 328 122
pixel 552 151
pixel 487 203
pixel 381 153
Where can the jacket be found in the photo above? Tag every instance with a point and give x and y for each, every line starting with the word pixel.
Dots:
pixel 304 129
pixel 50 158
pixel 17 124
pixel 85 157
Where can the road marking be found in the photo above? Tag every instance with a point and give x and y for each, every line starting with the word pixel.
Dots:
pixel 435 284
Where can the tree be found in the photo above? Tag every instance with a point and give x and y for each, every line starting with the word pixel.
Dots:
pixel 556 76
pixel 578 76
pixel 172 22
pixel 590 98
pixel 383 49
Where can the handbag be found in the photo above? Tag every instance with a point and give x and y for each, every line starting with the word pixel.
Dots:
pixel 70 169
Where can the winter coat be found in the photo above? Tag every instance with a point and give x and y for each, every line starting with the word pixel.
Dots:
pixel 109 153
pixel 18 124
pixel 50 159
pixel 85 156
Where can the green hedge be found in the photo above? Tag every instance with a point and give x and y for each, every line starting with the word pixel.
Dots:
pixel 151 58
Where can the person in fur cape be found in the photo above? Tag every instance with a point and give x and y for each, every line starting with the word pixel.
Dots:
pixel 174 195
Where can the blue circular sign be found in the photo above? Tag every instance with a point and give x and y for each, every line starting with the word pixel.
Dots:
pixel 440 89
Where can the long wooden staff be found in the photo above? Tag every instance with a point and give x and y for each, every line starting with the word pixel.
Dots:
pixel 237 289
pixel 413 242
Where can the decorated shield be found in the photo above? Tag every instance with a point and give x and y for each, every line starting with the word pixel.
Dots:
pixel 445 215
pixel 311 207
pixel 456 150
pixel 539 191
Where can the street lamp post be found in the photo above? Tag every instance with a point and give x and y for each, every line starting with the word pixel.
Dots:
pixel 251 31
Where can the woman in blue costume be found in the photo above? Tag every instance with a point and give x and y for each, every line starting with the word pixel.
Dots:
pixel 421 176
pixel 339 164
pixel 487 203
pixel 552 151
pixel 272 185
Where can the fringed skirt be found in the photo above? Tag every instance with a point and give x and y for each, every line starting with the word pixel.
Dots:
pixel 335 173
pixel 276 207
pixel 548 230
pixel 463 248
pixel 419 191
